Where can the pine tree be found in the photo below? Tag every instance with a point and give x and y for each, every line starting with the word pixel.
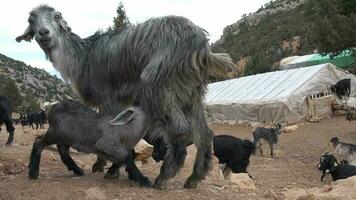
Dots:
pixel 333 25
pixel 121 20
pixel 9 89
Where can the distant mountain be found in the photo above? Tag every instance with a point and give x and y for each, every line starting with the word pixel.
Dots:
pixel 282 28
pixel 33 84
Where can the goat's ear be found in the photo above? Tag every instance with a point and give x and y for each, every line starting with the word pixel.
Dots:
pixel 124 117
pixel 27 35
pixel 62 22
pixel 64 25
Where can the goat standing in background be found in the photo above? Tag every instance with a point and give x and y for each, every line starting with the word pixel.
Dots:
pixel 347 151
pixel 164 62
pixel 342 88
pixel 268 134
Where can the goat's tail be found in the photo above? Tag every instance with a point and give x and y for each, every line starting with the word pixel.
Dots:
pixel 249 146
pixel 218 64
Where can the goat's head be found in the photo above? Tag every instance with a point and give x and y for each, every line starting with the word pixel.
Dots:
pixel 327 163
pixel 334 141
pixel 45 25
pixel 279 128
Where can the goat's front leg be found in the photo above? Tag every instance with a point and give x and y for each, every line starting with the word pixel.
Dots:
pixel 322 176
pixel 271 146
pixel 68 161
pixel 260 147
pixel 134 173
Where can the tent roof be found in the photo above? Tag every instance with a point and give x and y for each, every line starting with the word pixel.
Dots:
pixel 344 60
pixel 260 88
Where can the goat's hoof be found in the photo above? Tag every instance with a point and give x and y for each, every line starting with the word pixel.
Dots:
pixel 159 185
pixel 78 172
pixel 145 182
pixel 8 143
pixel 111 176
pixel 33 174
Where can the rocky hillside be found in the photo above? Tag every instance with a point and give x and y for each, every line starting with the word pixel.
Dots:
pixel 283 28
pixel 29 86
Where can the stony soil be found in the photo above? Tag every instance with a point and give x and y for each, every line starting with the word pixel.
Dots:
pixel 297 155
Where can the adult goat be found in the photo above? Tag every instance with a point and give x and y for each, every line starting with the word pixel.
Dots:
pixel 165 62
pixel 5 117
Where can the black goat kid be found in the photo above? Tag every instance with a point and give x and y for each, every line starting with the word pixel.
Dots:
pixel 231 151
pixel 329 164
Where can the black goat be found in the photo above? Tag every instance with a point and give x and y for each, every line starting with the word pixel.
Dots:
pixel 342 87
pixel 72 124
pixel 329 164
pixel 5 117
pixel 231 151
pixel 37 118
pixel 234 152
pixel 268 134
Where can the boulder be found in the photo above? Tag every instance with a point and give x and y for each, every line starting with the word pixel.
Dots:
pixel 215 173
pixel 289 129
pixel 341 189
pixel 242 181
pixel 143 150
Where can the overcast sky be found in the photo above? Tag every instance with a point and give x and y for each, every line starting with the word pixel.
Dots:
pixel 87 16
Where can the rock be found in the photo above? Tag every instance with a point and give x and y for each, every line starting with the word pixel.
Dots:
pixel 289 129
pixel 242 181
pixel 215 173
pixel 341 189
pixel 95 193
pixel 143 150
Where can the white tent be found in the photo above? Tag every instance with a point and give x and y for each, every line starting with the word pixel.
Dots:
pixel 286 96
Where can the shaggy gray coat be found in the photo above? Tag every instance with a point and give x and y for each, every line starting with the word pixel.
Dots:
pixel 163 63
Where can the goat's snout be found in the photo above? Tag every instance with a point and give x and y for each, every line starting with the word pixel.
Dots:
pixel 43 32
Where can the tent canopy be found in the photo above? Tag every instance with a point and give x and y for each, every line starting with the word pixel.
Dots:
pixel 274 96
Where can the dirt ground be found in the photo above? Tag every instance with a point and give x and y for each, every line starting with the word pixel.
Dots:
pixel 297 154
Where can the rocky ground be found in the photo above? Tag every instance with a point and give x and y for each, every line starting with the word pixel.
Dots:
pixel 297 155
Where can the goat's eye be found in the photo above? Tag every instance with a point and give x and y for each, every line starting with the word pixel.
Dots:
pixel 31 21
pixel 57 17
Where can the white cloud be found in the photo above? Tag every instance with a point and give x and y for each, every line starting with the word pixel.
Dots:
pixel 87 16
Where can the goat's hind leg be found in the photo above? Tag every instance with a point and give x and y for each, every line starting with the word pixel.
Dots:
pixel 35 158
pixel 173 161
pixel 68 161
pixel 202 161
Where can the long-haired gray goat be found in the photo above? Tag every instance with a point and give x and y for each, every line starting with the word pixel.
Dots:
pixel 268 134
pixel 72 124
pixel 347 151
pixel 165 62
